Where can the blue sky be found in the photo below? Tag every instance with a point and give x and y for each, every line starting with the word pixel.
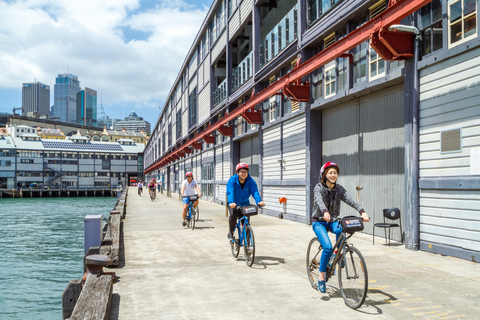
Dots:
pixel 130 51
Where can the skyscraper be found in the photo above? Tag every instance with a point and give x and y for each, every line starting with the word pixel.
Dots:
pixel 65 97
pixel 36 98
pixel 87 107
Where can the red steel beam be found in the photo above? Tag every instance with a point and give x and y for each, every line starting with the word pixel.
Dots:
pixel 393 15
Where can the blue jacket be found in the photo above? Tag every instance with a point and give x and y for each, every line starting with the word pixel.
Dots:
pixel 236 194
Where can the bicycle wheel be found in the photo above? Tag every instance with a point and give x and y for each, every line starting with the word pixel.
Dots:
pixel 189 215
pixel 197 213
pixel 314 252
pixel 235 244
pixel 249 246
pixel 353 277
pixel 192 217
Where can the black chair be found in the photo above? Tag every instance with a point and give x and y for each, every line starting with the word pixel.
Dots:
pixel 392 214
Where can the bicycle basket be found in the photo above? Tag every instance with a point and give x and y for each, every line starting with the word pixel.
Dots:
pixel 250 210
pixel 193 198
pixel 352 224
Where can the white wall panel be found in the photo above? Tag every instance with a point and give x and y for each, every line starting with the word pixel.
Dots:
pixel 294 152
pixel 219 46
pixel 204 104
pixel 234 24
pixel 200 76
pixel 227 164
pixel 271 153
pixel 296 199
pixel 218 163
pixel 246 10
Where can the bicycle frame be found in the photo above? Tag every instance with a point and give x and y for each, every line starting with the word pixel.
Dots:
pixel 341 245
pixel 190 208
pixel 242 233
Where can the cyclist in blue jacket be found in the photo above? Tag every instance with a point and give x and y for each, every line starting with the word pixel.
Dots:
pixel 239 189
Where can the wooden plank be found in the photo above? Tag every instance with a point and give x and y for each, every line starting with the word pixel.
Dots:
pixel 70 297
pixel 95 299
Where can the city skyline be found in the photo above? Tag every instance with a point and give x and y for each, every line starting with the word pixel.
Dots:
pixel 129 51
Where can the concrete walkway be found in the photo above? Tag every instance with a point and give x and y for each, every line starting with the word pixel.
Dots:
pixel 170 272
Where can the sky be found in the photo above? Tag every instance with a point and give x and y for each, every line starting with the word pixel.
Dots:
pixel 129 51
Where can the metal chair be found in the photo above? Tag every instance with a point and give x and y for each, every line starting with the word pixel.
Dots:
pixel 392 214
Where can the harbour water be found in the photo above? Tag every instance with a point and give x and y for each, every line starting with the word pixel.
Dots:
pixel 41 250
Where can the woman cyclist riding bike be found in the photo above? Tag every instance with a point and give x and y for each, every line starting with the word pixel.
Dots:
pixel 239 189
pixel 188 189
pixel 326 206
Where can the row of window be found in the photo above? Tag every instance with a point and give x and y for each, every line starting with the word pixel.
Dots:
pixel 70 174
pixel 67 155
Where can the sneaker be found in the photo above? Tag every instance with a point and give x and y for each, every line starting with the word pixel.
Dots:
pixel 230 236
pixel 184 223
pixel 322 287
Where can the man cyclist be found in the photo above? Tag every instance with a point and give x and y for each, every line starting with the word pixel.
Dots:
pixel 140 187
pixel 188 189
pixel 327 196
pixel 239 189
pixel 152 187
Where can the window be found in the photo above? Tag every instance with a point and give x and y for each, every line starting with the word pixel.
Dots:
pixel 317 8
pixel 342 74
pixel 360 56
pixel 462 20
pixel 377 65
pixel 179 125
pixel 192 107
pixel 26 160
pixel 330 79
pixel 317 83
pixel 431 27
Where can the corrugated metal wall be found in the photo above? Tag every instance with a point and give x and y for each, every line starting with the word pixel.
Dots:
pixel 219 163
pixel 271 153
pixel 449 99
pixel 227 166
pixel 294 152
pixel 365 137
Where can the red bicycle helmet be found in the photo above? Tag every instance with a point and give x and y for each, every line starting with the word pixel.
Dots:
pixel 242 165
pixel 327 165
pixel 189 174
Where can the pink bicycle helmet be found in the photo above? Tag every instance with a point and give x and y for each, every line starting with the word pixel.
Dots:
pixel 189 174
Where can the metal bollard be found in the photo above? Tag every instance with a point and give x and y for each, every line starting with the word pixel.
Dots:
pixel 92 231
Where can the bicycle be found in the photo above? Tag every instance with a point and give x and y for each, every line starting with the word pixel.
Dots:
pixel 191 212
pixel 243 234
pixel 352 270
pixel 140 191
pixel 152 194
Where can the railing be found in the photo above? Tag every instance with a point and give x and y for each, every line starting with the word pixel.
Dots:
pixel 279 37
pixel 243 72
pixel 220 93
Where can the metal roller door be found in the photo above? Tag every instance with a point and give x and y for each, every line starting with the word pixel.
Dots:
pixel 365 136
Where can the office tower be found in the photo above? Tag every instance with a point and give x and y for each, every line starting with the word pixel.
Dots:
pixel 65 97
pixel 133 122
pixel 87 107
pixel 35 98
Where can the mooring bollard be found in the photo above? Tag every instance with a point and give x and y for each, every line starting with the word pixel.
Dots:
pixel 92 231
pixel 95 264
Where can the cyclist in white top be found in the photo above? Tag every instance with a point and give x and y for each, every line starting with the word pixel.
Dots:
pixel 188 189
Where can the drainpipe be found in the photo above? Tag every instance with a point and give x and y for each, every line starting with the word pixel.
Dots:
pixel 412 206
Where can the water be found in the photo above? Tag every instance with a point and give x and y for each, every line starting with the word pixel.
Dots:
pixel 41 250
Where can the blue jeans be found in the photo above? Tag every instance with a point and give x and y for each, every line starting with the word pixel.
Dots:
pixel 320 228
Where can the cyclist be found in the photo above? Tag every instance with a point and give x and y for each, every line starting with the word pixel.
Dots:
pixel 239 189
pixel 188 189
pixel 140 187
pixel 152 186
pixel 327 196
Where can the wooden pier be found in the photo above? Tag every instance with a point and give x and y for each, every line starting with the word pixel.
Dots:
pixel 58 193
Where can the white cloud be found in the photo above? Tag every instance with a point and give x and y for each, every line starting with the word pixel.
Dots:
pixel 42 38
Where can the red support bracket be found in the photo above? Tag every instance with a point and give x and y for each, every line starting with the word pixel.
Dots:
pixel 393 45
pixel 298 92
pixel 181 153
pixel 252 117
pixel 209 138
pixel 196 145
pixel 175 156
pixel 187 150
pixel 226 130
pixel 349 56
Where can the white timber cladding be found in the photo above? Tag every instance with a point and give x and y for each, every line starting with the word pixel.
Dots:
pixel 226 162
pixel 245 10
pixel 204 104
pixel 200 76
pixel 207 156
pixel 206 69
pixel 218 163
pixel 234 24
pixel 184 123
pixel 450 99
pixel 450 217
pixel 197 168
pixel 271 153
pixel 221 192
pixel 296 199
pixel 272 18
pixel 294 152
pixel 219 46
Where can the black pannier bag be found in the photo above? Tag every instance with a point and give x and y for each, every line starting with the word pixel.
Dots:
pixel 250 210
pixel 352 224
pixel 193 198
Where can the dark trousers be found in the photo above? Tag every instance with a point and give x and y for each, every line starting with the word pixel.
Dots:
pixel 232 219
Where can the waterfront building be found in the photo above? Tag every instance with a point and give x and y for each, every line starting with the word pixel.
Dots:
pixel 48 133
pixel 65 97
pixel 75 162
pixel 133 122
pixel 87 107
pixel 115 135
pixel 399 113
pixel 35 98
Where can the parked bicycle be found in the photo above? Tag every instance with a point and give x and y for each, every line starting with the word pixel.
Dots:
pixel 192 212
pixel 243 234
pixel 352 270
